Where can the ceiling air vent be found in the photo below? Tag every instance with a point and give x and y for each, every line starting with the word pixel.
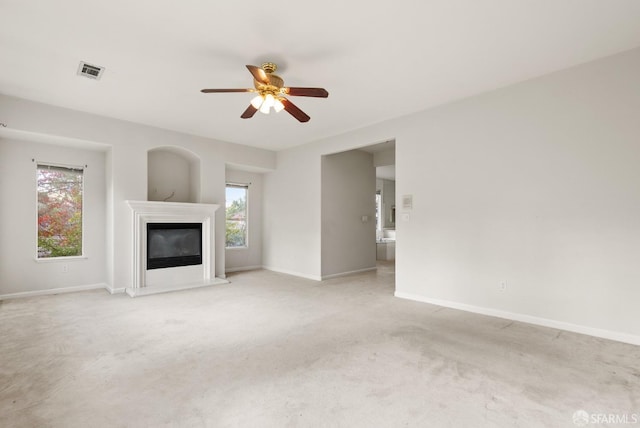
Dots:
pixel 90 71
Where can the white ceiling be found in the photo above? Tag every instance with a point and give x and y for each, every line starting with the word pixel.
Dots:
pixel 377 59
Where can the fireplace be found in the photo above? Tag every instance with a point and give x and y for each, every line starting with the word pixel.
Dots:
pixel 173 245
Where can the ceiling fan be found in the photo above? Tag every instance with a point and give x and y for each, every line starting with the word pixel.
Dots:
pixel 271 91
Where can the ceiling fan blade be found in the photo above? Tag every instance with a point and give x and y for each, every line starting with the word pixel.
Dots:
pixel 295 111
pixel 307 92
pixel 259 74
pixel 249 112
pixel 209 91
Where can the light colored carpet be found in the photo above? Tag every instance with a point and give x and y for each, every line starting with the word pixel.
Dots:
pixel 270 350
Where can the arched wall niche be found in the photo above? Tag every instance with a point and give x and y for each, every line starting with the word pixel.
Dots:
pixel 173 175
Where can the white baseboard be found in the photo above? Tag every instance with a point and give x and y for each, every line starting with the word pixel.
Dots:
pixel 157 289
pixel 293 273
pixel 545 322
pixel 242 269
pixel 316 277
pixel 115 290
pixel 337 275
pixel 53 291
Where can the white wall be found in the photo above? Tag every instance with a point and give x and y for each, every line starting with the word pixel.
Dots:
pixel 292 214
pixel 535 185
pixel 384 157
pixel 169 177
pixel 128 144
pixel 251 257
pixel 20 271
pixel 348 193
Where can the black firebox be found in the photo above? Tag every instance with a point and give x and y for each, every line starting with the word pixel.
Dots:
pixel 173 245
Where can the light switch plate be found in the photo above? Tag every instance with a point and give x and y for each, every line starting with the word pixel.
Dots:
pixel 407 202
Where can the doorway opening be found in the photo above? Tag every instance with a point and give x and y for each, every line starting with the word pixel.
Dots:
pixel 358 211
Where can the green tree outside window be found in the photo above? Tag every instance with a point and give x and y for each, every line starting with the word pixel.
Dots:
pixel 236 216
pixel 60 193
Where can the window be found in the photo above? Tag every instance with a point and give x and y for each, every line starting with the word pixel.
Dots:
pixel 236 215
pixel 59 211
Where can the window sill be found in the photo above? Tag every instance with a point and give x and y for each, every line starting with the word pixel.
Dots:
pixel 236 248
pixel 59 259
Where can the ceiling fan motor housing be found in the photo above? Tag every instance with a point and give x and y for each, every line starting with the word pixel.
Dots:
pixel 275 83
pixel 269 67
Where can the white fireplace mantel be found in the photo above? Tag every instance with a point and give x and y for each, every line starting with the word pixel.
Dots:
pixel 154 281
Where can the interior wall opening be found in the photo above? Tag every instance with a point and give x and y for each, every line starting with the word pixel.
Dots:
pixel 358 210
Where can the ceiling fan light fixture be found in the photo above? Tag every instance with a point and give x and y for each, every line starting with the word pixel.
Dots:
pixel 264 108
pixel 269 100
pixel 257 101
pixel 278 106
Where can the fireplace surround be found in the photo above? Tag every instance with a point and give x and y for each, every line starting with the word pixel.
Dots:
pixel 180 223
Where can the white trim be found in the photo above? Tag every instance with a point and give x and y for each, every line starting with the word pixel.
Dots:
pixel 59 259
pixel 80 168
pixel 314 277
pixel 242 268
pixel 144 212
pixel 246 213
pixel 545 322
pixel 115 290
pixel 53 291
pixel 337 275
pixel 157 289
pixel 293 273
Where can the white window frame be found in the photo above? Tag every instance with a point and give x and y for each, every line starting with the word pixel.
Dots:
pixel 82 168
pixel 244 186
